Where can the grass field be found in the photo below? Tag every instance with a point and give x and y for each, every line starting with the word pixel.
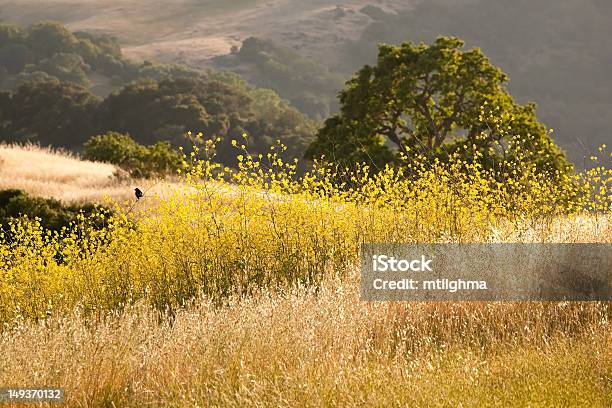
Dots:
pixel 48 173
pixel 246 293
pixel 325 349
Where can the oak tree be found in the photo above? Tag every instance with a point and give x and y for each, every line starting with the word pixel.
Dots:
pixel 428 100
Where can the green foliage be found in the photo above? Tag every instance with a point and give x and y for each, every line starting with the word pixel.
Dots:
pixel 148 70
pixel 139 160
pixel 14 57
pixel 46 39
pixel 420 98
pixel 51 49
pixel 64 66
pixel 51 112
pixel 43 47
pixel 81 57
pixel 65 114
pixel 308 85
pixel 168 109
pixel 52 214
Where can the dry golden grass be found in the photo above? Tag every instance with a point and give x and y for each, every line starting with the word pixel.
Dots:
pixel 323 349
pixel 49 173
pixel 304 347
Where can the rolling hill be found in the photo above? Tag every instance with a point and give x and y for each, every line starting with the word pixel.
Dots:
pixel 556 52
pixel 47 173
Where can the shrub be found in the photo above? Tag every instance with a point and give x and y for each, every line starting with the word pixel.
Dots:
pixel 51 213
pixel 139 160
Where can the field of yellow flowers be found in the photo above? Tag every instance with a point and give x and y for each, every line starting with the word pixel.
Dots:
pixel 242 289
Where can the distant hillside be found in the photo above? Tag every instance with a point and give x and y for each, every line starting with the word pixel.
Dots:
pixel 49 78
pixel 557 52
pixel 197 30
pixel 301 39
pixel 45 50
pixel 307 84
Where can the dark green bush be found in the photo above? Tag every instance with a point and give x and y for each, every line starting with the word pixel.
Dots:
pixel 52 213
pixel 137 159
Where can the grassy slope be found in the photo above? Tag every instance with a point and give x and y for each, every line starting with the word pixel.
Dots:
pixel 196 30
pixel 47 173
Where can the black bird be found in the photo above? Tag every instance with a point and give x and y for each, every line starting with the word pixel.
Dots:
pixel 138 193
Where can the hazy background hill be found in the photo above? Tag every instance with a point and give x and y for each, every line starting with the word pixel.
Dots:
pixel 557 52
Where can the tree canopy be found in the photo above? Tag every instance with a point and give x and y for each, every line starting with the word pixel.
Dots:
pixel 556 52
pixel 65 114
pixel 428 100
pixel 308 85
pixel 52 214
pixel 137 159
pixel 50 112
